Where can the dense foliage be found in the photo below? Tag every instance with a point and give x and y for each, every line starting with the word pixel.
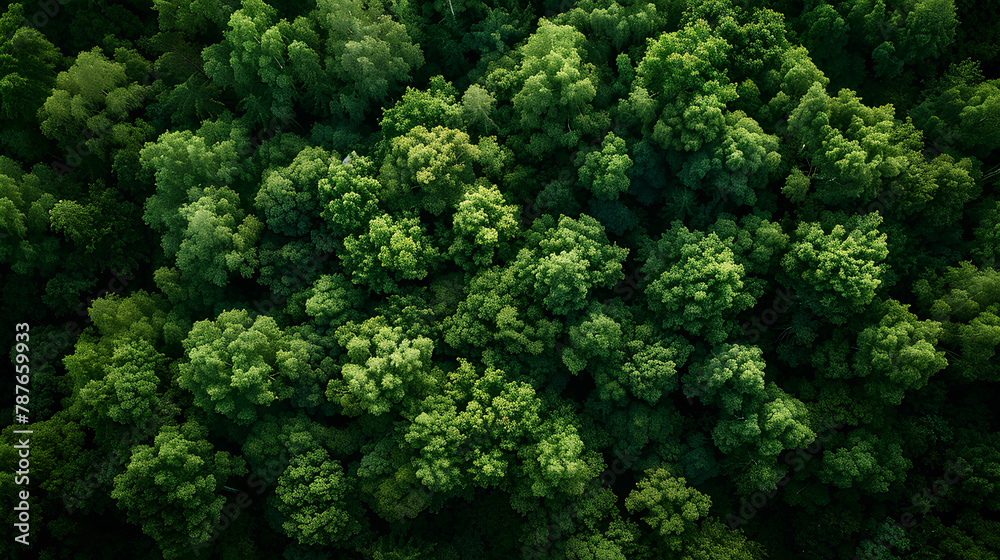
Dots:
pixel 593 280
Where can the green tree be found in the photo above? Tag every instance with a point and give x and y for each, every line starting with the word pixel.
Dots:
pixel 848 145
pixel 937 193
pixel 888 535
pixel 477 108
pixel 289 197
pixel 624 356
pixel 27 76
pixel 170 488
pixel 970 537
pixel 604 172
pixel 557 460
pixel 438 162
pixel 136 324
pixel 104 227
pixel 758 243
pixel 190 96
pixel 679 93
pixel 563 261
pixel 484 223
pixel 507 415
pixel 235 364
pixel 555 87
pixel 959 113
pixel 366 54
pixel 837 273
pixel 436 435
pixel 391 250
pixel 63 291
pixel 311 497
pixel 759 419
pixel 128 393
pixel 737 164
pixel 979 485
pixel 621 24
pixel 252 60
pixel 910 34
pixel 334 301
pixel 872 463
pixel 432 108
pixel 220 238
pixel 826 35
pixel 964 299
pixel 349 195
pixel 497 311
pixel 386 479
pixel 716 541
pixel 669 506
pixel 274 439
pixel 381 367
pixel 696 284
pixel 184 165
pixel 27 244
pixel 92 103
pixel 898 354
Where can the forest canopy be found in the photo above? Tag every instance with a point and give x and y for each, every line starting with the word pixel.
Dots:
pixel 591 280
